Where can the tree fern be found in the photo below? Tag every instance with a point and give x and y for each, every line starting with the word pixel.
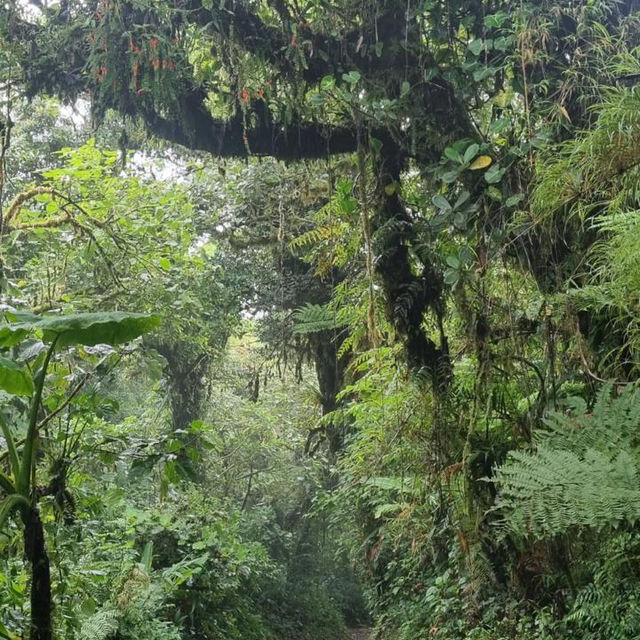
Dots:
pixel 315 317
pixel 100 625
pixel 582 472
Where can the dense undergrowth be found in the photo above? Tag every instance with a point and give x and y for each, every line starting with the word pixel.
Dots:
pixel 143 551
pixel 352 340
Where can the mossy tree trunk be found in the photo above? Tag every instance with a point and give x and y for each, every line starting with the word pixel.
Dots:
pixel 36 552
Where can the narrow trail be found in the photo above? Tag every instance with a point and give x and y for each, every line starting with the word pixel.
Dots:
pixel 360 633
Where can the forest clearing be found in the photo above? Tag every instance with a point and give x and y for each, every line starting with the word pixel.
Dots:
pixel 319 319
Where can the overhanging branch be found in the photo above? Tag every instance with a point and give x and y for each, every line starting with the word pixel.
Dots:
pixel 197 129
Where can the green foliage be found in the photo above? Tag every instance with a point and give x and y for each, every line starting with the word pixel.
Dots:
pixel 313 318
pixel 601 159
pixel 454 250
pixel 13 379
pixel 608 606
pixel 101 625
pixel 111 328
pixel 582 472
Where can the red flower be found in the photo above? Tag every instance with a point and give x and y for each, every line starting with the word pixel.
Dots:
pixel 153 43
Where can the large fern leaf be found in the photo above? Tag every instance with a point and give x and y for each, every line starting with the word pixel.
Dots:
pixel 314 317
pixel 582 472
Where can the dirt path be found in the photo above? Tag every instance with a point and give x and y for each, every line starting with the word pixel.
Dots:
pixel 360 633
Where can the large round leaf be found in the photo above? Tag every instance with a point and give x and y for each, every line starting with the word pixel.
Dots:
pixel 16 327
pixel 113 327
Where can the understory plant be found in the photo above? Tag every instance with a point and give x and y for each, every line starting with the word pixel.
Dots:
pixel 44 336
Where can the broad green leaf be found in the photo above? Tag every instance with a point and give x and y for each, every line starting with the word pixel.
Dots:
pixel 147 557
pixel 476 47
pixel 15 329
pixel 327 82
pixel 114 327
pixel 514 200
pixel 451 276
pixel 441 202
pixel 452 154
pixel 496 19
pixel 453 262
pixel 316 98
pixel 13 379
pixel 11 335
pixel 471 152
pixel 494 193
pixel 494 174
pixel 352 77
pixel 464 196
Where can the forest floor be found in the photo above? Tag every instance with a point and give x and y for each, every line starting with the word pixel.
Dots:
pixel 360 633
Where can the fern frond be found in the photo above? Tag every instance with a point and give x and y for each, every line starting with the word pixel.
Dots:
pixel 315 317
pixel 100 625
pixel 318 235
pixel 583 471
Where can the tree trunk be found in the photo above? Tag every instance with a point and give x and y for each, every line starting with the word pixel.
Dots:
pixel 330 372
pixel 409 295
pixel 36 552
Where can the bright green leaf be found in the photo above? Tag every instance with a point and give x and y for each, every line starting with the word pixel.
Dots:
pixel 13 379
